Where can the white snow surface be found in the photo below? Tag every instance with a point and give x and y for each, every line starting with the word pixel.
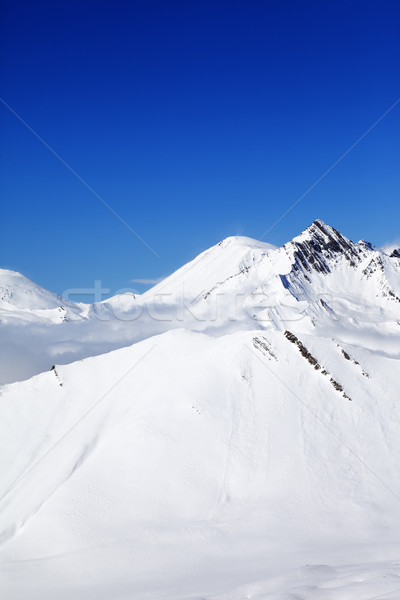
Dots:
pixel 231 434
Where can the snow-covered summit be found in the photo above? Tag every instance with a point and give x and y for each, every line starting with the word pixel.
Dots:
pixel 319 246
pixel 228 257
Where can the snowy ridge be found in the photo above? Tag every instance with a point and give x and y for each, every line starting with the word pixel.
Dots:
pixel 238 438
pixel 320 281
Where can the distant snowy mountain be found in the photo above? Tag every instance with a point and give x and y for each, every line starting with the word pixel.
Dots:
pixel 319 283
pixel 20 293
pixel 232 433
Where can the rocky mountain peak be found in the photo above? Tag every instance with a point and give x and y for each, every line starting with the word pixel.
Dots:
pixel 319 246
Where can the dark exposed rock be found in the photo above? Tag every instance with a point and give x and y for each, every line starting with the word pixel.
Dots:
pixel 318 246
pixel 313 361
pixel 339 388
pixel 347 356
pixel 376 264
pixel 264 347
pixel 353 360
pixel 53 368
pixel 303 350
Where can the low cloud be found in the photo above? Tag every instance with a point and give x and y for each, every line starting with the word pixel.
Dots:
pixel 147 281
pixel 388 248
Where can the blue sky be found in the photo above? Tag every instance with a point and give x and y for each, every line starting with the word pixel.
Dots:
pixel 193 121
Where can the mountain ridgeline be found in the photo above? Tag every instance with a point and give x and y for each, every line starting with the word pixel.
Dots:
pixel 238 423
pixel 320 283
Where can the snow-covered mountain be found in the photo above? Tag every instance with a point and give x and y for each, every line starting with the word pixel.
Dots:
pixel 320 283
pixel 232 433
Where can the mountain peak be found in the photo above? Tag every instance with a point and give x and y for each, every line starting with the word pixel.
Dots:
pixel 320 227
pixel 318 246
pixel 243 242
pixel 320 223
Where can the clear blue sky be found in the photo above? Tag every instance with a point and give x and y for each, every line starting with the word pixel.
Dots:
pixel 194 121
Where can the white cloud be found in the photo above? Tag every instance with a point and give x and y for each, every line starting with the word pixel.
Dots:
pixel 388 248
pixel 147 281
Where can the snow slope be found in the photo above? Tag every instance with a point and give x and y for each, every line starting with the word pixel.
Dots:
pixel 19 292
pixel 251 456
pixel 61 331
pixel 246 447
